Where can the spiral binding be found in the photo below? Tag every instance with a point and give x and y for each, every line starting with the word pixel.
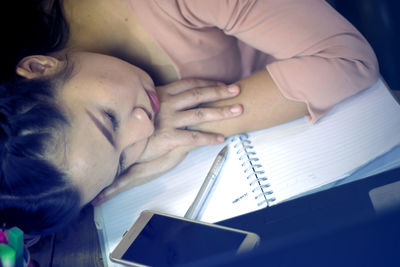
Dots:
pixel 258 181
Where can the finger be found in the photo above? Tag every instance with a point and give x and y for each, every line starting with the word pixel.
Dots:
pixel 181 139
pixel 121 184
pixel 196 96
pixel 200 115
pixel 141 173
pixel 106 194
pixel 186 84
pixel 195 138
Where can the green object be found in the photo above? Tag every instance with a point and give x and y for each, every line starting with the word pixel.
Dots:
pixel 7 256
pixel 16 241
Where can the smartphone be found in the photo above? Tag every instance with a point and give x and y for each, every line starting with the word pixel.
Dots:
pixel 158 239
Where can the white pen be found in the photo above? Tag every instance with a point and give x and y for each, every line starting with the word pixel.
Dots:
pixel 198 203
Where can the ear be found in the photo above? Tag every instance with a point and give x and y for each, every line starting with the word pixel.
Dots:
pixel 38 66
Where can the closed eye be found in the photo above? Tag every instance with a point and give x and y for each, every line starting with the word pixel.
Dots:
pixel 113 119
pixel 106 132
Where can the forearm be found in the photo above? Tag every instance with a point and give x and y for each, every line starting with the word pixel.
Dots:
pixel 263 106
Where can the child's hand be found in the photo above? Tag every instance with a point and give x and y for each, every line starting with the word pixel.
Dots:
pixel 180 111
pixel 173 138
pixel 141 173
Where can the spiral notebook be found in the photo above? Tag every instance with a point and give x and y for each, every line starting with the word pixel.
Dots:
pixel 265 167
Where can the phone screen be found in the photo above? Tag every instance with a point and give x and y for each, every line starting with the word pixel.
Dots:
pixel 169 241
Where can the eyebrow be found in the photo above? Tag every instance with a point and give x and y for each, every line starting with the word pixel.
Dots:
pixel 107 134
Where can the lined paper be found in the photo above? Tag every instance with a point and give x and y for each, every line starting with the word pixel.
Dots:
pixel 171 193
pixel 308 156
pixel 296 157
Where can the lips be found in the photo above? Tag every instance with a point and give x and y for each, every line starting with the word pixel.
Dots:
pixel 155 103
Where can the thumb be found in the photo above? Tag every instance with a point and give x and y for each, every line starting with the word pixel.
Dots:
pixel 136 175
pixel 109 192
pixel 141 173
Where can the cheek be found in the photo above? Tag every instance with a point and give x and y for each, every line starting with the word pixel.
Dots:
pixel 93 171
pixel 96 179
pixel 134 152
pixel 105 171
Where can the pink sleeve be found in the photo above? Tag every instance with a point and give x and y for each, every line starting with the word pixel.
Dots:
pixel 315 55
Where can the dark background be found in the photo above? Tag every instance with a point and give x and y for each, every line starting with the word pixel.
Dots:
pixel 379 22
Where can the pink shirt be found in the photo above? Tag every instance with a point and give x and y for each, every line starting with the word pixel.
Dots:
pixel 313 54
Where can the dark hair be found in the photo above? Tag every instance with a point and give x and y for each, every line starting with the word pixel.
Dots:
pixel 30 27
pixel 34 194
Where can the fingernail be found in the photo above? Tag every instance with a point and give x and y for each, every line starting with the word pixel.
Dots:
pixel 236 109
pixel 220 138
pixel 233 89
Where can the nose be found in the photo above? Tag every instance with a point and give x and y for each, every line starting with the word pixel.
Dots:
pixel 145 119
pixel 139 127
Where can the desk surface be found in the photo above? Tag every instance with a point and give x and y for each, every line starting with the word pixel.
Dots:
pixel 76 246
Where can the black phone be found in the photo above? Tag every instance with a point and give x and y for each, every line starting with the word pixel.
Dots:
pixel 158 239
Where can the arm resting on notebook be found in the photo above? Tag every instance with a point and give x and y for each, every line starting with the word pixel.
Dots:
pixel 263 106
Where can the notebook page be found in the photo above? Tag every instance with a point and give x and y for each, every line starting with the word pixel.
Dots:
pixel 171 193
pixel 231 195
pixel 298 156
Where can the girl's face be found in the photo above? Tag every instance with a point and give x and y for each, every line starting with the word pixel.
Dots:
pixel 111 107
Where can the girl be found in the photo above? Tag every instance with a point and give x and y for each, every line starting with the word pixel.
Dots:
pixel 279 60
